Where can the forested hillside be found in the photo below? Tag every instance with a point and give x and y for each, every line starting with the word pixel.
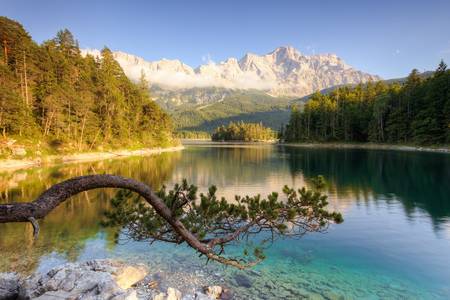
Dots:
pixel 53 99
pixel 415 112
pixel 250 107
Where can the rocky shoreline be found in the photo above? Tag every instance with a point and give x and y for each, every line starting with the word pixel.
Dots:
pixel 99 279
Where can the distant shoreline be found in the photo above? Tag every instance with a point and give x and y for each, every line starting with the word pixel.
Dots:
pixel 17 164
pixel 369 146
pixel 210 142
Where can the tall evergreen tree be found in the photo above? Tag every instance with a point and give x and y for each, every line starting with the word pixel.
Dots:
pixel 418 111
pixel 52 96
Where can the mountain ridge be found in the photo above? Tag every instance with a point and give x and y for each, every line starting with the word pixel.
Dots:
pixel 283 72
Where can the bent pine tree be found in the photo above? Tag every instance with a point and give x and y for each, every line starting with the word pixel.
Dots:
pixel 177 216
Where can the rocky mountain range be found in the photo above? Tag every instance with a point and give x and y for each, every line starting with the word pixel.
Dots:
pixel 284 72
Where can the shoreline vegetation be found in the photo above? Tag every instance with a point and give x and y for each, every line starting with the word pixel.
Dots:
pixel 17 164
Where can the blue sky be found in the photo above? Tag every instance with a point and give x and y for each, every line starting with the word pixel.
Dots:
pixel 387 38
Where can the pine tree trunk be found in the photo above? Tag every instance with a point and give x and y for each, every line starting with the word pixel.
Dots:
pixel 82 132
pixel 5 50
pixel 22 89
pixel 26 79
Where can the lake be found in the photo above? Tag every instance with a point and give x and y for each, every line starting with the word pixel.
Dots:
pixel 394 242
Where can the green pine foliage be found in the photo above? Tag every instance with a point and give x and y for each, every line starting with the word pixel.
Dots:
pixel 52 96
pixel 193 135
pixel 219 222
pixel 414 112
pixel 246 106
pixel 247 132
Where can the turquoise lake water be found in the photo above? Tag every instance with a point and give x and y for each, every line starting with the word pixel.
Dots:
pixel 393 244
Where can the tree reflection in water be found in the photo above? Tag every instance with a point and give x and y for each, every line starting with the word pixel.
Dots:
pixel 70 225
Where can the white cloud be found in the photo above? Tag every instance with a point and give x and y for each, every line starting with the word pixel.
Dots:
pixel 207 58
pixel 174 74
pixel 189 80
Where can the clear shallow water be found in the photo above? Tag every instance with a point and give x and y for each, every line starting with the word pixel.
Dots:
pixel 394 243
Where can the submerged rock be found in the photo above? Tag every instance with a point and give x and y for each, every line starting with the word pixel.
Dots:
pixel 9 286
pixel 243 280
